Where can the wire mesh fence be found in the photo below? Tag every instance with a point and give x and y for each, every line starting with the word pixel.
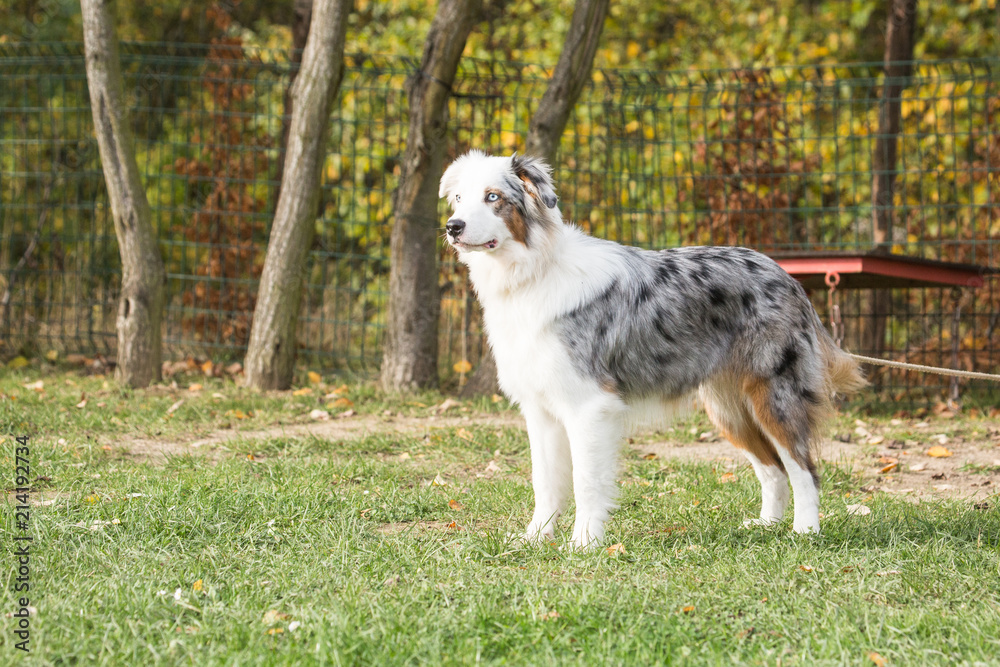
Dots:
pixel 777 159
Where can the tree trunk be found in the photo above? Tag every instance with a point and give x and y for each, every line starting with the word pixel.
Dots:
pixel 898 54
pixel 301 17
pixel 410 350
pixel 270 356
pixel 548 123
pixel 143 294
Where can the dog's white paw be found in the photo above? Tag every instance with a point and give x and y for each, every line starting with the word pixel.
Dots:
pixel 750 523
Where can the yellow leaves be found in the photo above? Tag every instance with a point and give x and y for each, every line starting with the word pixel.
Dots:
pixel 616 549
pixel 341 402
pixel 939 451
pixel 464 435
pixel 462 366
pixel 877 659
pixel 687 609
pixel 650 457
pixel 727 478
pixel 314 377
pixel 195 387
pixel 455 505
pixel 304 391
pixel 197 586
pixel 806 568
pixel 17 362
pixel 439 481
pixel 496 398
pixel 207 367
pixel 632 50
pixel 52 355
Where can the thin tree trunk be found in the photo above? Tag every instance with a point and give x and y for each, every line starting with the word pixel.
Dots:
pixel 898 54
pixel 410 351
pixel 548 123
pixel 143 293
pixel 301 17
pixel 270 356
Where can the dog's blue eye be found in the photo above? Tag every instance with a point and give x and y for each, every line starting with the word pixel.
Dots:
pixel 458 198
pixel 492 196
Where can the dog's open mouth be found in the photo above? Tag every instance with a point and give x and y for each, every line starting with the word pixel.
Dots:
pixel 489 245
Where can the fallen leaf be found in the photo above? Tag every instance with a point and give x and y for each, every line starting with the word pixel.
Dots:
pixel 462 366
pixel 464 434
pixel 727 478
pixel 688 609
pixel 887 459
pixel 405 456
pixel 876 440
pixel 448 404
pixel 346 413
pixel 196 586
pixel 550 615
pixel 82 404
pixel 207 367
pixel 491 469
pixel 918 467
pixel 887 573
pixel 274 616
pixel 52 355
pixel 304 391
pixel 234 368
pixel 314 377
pixel 340 403
pixel 319 415
pixel 439 481
pixel 173 408
pixel 937 451
pixel 455 505
pixel 38 385
pixel 454 526
pixel 858 510
pixel 276 631
pixel 806 568
pixel 616 549
pixel 944 487
pixel 194 387
pixel 877 659
pixel 650 457
pixel 888 468
pixel 496 398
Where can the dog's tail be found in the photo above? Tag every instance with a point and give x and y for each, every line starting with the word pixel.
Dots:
pixel 842 374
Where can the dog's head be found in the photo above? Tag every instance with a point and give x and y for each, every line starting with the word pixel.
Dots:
pixel 496 200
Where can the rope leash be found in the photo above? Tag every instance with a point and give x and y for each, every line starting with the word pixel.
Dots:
pixel 927 369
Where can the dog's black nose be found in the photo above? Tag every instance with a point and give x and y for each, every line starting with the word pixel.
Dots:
pixel 454 227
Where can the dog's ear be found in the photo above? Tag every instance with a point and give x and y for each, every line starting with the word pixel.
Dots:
pixel 449 179
pixel 537 173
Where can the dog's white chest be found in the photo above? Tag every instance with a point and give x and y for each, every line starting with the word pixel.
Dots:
pixel 526 347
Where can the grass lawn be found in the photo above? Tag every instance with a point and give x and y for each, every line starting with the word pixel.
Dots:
pixel 390 545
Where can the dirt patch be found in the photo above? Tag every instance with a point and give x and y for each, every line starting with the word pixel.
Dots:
pixel 155 450
pixel 886 460
pixel 970 471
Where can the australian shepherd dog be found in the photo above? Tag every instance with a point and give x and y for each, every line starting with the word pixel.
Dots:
pixel 593 338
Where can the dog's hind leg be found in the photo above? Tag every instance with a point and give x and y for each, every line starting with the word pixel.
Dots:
pixel 551 470
pixel 726 408
pixel 596 432
pixel 784 418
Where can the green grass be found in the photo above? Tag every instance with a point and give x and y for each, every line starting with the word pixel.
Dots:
pixel 349 543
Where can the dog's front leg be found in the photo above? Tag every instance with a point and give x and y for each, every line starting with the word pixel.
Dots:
pixel 551 470
pixel 595 436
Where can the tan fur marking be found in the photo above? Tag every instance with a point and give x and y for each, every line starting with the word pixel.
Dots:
pixel 758 391
pixel 746 436
pixel 511 217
